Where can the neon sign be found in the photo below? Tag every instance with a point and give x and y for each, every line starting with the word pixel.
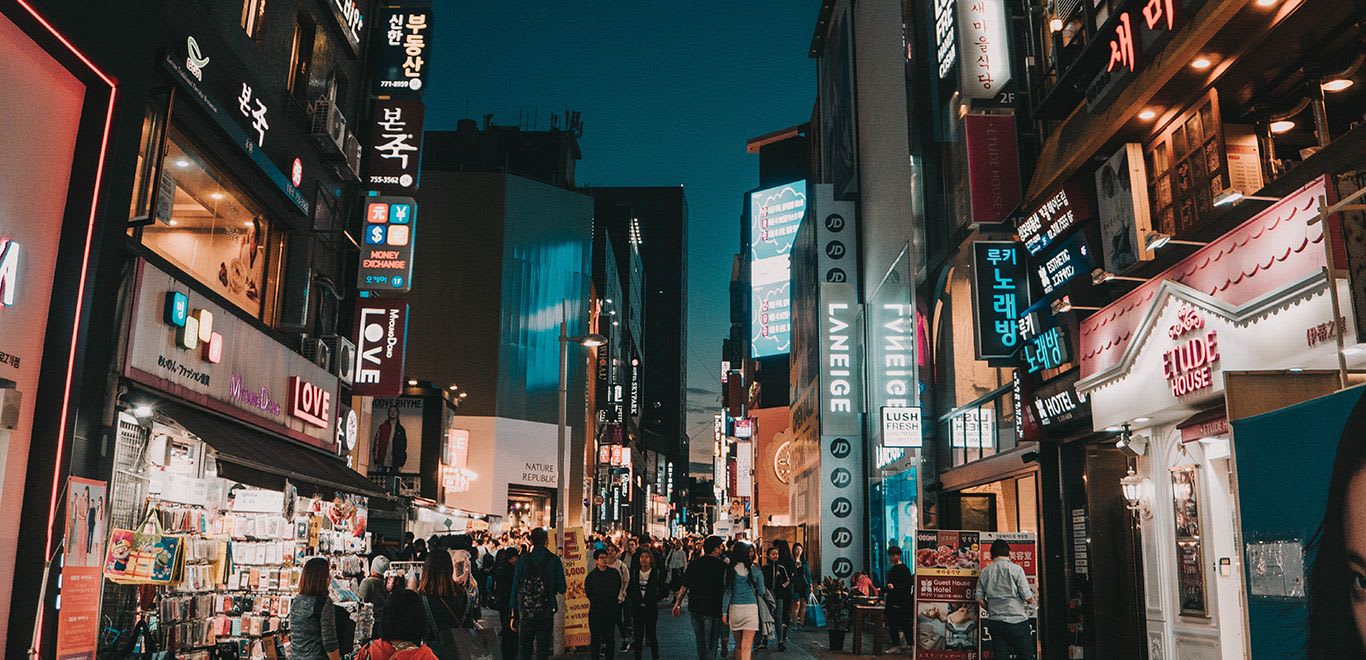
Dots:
pixel 1189 367
pixel 1155 13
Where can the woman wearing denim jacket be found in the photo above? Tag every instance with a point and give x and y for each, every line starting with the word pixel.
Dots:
pixel 312 621
pixel 740 600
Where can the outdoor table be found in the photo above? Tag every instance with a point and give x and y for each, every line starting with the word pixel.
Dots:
pixel 877 615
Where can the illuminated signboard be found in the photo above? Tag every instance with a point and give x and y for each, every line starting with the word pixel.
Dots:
pixel 403 50
pixel 381 337
pixel 1045 350
pixel 393 155
pixel 9 271
pixel 974 428
pixel 351 20
pixel 944 36
pixel 1071 259
pixel 1057 401
pixel 1189 366
pixel 1060 213
pixel 775 215
pixel 901 427
pixel 1138 33
pixel 984 65
pixel 386 254
pixel 1000 295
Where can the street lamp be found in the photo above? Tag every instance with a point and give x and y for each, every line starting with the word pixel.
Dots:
pixel 592 341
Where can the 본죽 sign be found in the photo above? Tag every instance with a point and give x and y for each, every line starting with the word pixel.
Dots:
pixel 386 254
pixel 393 155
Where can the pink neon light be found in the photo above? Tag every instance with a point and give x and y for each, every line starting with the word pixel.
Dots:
pixel 80 291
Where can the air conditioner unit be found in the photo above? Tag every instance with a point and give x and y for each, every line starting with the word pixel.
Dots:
pixel 343 357
pixel 317 352
pixel 329 127
pixel 351 150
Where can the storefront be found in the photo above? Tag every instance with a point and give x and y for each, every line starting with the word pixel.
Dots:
pixel 1153 366
pixel 227 442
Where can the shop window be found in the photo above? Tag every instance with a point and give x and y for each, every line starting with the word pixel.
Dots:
pixel 301 57
pixel 254 18
pixel 207 225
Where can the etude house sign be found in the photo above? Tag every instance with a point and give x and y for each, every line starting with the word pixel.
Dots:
pixel 240 371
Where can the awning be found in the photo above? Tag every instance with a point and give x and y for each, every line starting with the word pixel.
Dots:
pixel 264 459
pixel 1207 424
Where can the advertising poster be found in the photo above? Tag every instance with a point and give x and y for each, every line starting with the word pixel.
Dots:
pixel 775 216
pixel 1190 570
pixel 395 435
pixel 947 625
pixel 1024 552
pixel 82 563
pixel 577 563
pixel 1122 198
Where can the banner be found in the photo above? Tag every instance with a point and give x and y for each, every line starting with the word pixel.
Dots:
pixel 577 563
pixel 948 622
pixel 83 557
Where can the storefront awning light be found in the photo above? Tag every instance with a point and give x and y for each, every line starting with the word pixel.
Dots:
pixel 1148 114
pixel 1337 85
pixel 1282 126
pixel 1135 494
pixel 1201 63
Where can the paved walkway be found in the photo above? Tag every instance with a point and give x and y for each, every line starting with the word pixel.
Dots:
pixel 676 643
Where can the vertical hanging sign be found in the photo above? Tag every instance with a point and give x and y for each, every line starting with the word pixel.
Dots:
pixel 386 253
pixel 999 295
pixel 402 51
pixel 393 155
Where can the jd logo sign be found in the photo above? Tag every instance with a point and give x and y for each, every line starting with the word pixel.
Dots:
pixel 841 507
pixel 840 478
pixel 843 568
pixel 842 537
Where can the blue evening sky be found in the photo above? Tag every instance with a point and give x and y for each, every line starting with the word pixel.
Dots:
pixel 669 92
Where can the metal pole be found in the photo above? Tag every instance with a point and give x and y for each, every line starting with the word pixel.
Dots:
pixel 1331 276
pixel 563 496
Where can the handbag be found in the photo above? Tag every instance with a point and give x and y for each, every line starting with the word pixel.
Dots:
pixel 815 615
pixel 442 642
pixel 476 642
pixel 142 557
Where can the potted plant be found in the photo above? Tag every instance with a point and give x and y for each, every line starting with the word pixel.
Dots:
pixel 835 600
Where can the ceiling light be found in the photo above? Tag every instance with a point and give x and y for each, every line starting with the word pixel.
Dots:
pixel 182 163
pixel 464 394
pixel 1295 370
pixel 1201 63
pixel 248 224
pixel 1337 85
pixel 1140 420
pixel 142 412
pixel 1148 114
pixel 1266 3
pixel 1113 429
pixel 412 383
pixel 1055 24
pixel 453 388
pixel 216 195
pixel 1282 126
pixel 171 223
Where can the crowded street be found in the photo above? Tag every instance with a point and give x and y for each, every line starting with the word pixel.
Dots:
pixel 769 329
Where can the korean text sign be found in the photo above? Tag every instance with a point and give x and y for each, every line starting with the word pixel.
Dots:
pixel 1000 294
pixel 386 253
pixel 393 154
pixel 403 47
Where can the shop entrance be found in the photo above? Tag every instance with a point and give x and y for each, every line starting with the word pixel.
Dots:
pixel 530 507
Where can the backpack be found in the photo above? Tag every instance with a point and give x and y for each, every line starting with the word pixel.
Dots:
pixel 534 597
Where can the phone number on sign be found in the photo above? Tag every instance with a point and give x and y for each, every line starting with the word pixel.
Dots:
pixel 181 370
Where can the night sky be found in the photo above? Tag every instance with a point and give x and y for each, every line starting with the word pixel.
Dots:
pixel 669 93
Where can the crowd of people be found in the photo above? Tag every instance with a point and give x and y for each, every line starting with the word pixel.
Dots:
pixel 739 596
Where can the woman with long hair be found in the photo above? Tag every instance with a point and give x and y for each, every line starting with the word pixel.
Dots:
pixel 504 567
pixel 740 599
pixel 801 585
pixel 645 588
pixel 440 593
pixel 312 619
pixel 1337 578
pixel 404 625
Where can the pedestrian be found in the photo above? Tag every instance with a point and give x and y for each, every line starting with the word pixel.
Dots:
pixel 624 623
pixel 371 590
pixel 678 560
pixel 603 588
pixel 703 584
pixel 740 599
pixel 503 568
pixel 445 603
pixel 404 624
pixel 1003 592
pixel 801 585
pixel 419 552
pixel 778 579
pixel 900 595
pixel 312 621
pixel 405 553
pixel 536 581
pixel 644 591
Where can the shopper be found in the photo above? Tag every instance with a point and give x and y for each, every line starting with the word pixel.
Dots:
pixel 1003 592
pixel 703 584
pixel 778 579
pixel 646 588
pixel 740 599
pixel 503 568
pixel 405 624
pixel 603 588
pixel 312 621
pixel 678 561
pixel 900 595
pixel 371 590
pixel 624 625
pixel 443 601
pixel 801 585
pixel 536 581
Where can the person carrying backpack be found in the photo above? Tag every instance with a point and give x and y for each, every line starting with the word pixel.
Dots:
pixel 404 623
pixel 536 581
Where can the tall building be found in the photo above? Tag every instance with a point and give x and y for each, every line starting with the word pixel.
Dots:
pixel 501 261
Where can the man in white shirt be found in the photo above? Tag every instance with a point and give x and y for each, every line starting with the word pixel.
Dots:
pixel 1003 591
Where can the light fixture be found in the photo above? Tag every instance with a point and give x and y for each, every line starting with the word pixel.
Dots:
pixel 464 395
pixel 1156 240
pixel 616 323
pixel 1141 420
pixel 171 222
pixel 1100 276
pixel 1113 429
pixel 1055 24
pixel 593 340
pixel 1281 126
pixel 453 388
pixel 182 163
pixel 1234 195
pixel 1135 495
pixel 1148 114
pixel 143 411
pixel 1064 305
pixel 1201 63
pixel 1296 370
pixel 412 383
pixel 216 195
pixel 609 301
pixel 1266 3
pixel 1336 85
pixel 248 224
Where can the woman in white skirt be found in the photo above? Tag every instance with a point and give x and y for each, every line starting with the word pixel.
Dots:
pixel 741 600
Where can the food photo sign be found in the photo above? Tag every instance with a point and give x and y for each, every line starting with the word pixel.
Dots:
pixel 948 621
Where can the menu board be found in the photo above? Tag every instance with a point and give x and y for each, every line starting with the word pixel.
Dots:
pixel 948 621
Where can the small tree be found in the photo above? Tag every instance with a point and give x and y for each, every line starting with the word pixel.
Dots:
pixel 834 598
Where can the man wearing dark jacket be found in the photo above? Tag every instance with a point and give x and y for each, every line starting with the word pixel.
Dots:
pixel 536 581
pixel 603 588
pixel 900 600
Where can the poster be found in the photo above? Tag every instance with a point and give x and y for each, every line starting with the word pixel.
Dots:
pixel 947 625
pixel 577 563
pixel 1122 200
pixel 395 435
pixel 82 561
pixel 1024 552
pixel 1190 569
